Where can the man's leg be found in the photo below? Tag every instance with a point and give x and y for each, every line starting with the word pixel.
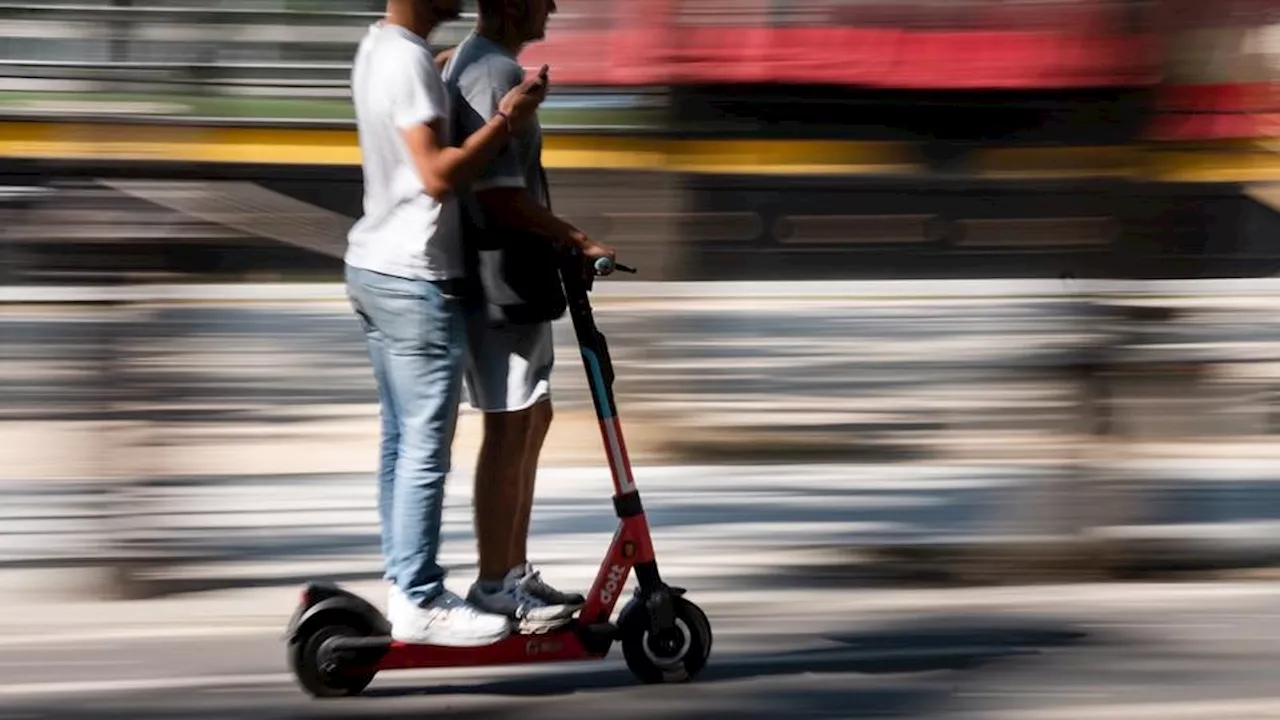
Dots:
pixel 424 349
pixel 426 397
pixel 499 492
pixel 387 461
pixel 536 344
pixel 508 377
pixel 389 445
pixel 388 454
pixel 540 416
pixel 540 424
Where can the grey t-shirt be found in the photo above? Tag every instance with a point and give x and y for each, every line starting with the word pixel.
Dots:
pixel 477 76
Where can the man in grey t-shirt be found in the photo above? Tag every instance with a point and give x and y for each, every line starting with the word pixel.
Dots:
pixel 509 371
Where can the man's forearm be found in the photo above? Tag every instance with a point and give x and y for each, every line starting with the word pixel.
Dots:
pixel 515 209
pixel 462 164
pixel 448 167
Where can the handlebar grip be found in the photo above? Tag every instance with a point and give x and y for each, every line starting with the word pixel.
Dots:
pixel 605 266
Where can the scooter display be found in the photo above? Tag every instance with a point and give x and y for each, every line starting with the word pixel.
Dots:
pixel 337 642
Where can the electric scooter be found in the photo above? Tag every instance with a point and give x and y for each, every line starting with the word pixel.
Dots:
pixel 337 641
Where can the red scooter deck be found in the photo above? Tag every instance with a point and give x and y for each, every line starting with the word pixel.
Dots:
pixel 558 646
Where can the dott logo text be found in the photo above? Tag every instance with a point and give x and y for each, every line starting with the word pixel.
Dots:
pixel 613 584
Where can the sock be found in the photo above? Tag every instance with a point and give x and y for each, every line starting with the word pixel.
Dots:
pixel 489 586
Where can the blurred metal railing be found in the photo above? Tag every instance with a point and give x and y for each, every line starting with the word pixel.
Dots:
pixel 249 65
pixel 102 51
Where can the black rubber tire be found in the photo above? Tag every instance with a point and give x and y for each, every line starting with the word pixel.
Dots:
pixel 304 661
pixel 654 666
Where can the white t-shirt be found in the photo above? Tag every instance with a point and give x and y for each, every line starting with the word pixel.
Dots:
pixel 404 231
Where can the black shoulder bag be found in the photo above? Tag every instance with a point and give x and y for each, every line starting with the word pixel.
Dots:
pixel 518 272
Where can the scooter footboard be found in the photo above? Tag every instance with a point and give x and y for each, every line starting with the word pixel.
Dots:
pixel 573 642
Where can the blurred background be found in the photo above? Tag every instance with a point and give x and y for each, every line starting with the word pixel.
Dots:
pixel 955 339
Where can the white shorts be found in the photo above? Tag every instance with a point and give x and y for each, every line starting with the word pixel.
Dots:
pixel 508 368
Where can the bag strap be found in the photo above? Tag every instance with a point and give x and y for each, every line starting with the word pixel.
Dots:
pixel 546 186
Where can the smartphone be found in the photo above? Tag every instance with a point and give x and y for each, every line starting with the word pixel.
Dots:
pixel 542 77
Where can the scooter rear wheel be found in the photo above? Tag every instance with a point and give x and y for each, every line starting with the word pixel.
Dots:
pixel 317 672
pixel 674 656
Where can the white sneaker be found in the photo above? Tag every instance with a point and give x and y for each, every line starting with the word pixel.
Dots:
pixel 516 600
pixel 447 621
pixel 395 596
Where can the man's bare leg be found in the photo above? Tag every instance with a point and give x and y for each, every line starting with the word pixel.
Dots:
pixel 538 428
pixel 499 490
pixel 539 425
pixel 502 515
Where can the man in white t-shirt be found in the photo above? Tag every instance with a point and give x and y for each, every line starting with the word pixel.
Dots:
pixel 403 264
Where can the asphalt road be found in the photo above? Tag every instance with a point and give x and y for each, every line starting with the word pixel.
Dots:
pixel 792 641
pixel 1209 652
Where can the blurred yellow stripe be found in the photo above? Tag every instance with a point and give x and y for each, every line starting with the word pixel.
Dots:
pixel 1224 161
pixel 1236 161
pixel 1058 162
pixel 91 141
pixel 1229 161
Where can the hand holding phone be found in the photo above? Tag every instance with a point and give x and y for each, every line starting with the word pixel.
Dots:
pixel 543 78
pixel 521 103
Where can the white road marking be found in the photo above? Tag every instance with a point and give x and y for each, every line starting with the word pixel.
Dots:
pixel 1249 709
pixel 474 674
pixel 28 663
pixel 164 633
pixel 761 602
pixel 126 686
pixel 212 682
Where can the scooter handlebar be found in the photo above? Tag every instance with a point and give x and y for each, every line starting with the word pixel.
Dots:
pixel 605 266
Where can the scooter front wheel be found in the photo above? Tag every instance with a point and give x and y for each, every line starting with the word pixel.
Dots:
pixel 317 670
pixel 671 656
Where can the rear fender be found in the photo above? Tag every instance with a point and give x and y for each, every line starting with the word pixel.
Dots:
pixel 331 601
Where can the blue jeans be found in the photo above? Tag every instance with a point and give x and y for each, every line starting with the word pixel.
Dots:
pixel 416 339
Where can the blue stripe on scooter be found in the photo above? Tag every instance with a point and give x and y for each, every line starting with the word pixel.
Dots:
pixel 597 380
